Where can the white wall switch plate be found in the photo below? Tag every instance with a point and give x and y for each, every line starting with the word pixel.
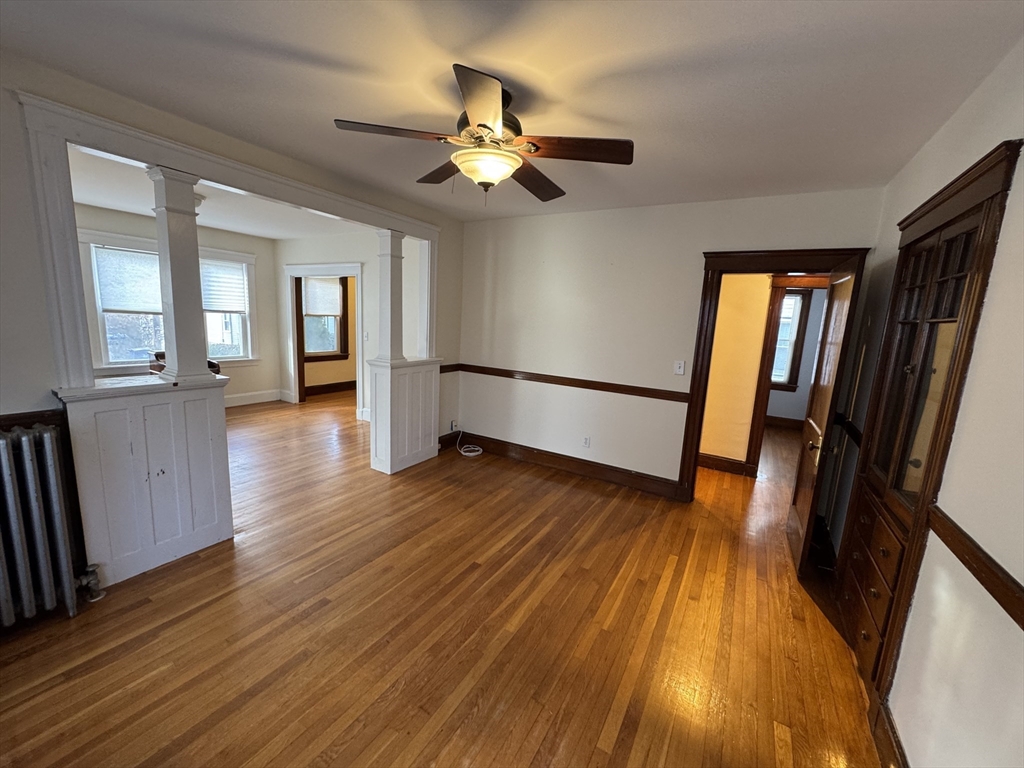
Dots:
pixel 680 367
pixel 366 335
pixel 586 442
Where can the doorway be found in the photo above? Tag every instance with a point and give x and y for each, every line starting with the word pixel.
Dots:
pixel 325 334
pixel 756 285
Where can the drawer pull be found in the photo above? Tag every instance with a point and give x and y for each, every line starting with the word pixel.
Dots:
pixel 864 636
pixel 874 593
pixel 856 555
pixel 883 551
pixel 865 519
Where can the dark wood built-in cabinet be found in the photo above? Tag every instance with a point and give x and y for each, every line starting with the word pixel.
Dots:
pixel 945 258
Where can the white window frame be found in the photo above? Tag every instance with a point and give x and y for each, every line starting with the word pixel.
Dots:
pixel 88 238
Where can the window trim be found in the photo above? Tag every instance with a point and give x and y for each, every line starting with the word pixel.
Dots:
pixel 798 341
pixel 343 351
pixel 87 238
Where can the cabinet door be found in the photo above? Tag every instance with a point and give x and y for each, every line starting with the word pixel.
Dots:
pixel 933 277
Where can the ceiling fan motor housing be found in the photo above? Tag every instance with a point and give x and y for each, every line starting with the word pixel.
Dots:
pixel 511 128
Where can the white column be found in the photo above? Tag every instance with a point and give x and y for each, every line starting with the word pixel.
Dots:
pixel 403 393
pixel 180 289
pixel 389 345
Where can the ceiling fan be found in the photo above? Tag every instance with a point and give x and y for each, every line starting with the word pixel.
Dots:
pixel 493 147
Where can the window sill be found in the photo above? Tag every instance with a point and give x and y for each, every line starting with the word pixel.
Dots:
pixel 324 358
pixel 106 371
pixel 783 387
pixel 246 362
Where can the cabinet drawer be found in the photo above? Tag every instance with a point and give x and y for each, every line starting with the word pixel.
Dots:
pixel 886 551
pixel 872 586
pixel 861 630
pixel 864 523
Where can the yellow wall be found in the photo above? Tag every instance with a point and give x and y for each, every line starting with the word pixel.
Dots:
pixel 332 371
pixel 735 359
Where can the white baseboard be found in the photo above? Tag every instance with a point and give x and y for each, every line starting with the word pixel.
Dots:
pixel 287 396
pixel 363 414
pixel 248 398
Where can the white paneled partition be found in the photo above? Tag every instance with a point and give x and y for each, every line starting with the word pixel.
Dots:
pixel 404 397
pixel 152 466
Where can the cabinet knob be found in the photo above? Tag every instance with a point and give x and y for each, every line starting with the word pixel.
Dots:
pixel 883 551
pixel 864 635
pixel 864 519
pixel 811 446
pixel 874 593
pixel 855 555
pixel 909 368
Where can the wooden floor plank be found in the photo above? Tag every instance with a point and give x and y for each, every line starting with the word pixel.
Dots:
pixel 462 612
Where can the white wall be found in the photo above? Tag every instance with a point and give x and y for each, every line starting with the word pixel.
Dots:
pixel 793 405
pixel 735 365
pixel 251 381
pixel 614 296
pixel 957 637
pixel 27 368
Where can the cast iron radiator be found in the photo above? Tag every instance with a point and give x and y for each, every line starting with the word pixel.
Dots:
pixel 36 566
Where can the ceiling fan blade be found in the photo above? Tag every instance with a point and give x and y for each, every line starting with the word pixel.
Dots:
pixel 481 93
pixel 619 151
pixel 387 130
pixel 539 185
pixel 442 173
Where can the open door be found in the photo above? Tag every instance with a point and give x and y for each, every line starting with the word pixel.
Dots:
pixel 821 407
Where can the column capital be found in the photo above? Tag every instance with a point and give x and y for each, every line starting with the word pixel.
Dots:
pixel 160 173
pixel 390 243
pixel 175 191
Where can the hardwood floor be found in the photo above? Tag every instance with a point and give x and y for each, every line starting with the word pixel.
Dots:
pixel 475 612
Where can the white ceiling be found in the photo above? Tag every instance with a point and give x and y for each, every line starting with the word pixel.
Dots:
pixel 111 184
pixel 723 99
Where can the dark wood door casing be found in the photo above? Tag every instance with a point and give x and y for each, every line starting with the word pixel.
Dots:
pixel 716 264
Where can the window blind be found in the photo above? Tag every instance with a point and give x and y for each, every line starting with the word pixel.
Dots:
pixel 224 286
pixel 321 296
pixel 127 281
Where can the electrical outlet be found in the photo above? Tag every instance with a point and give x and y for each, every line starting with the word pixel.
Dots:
pixel 680 368
pixel 455 425
pixel 366 335
pixel 586 442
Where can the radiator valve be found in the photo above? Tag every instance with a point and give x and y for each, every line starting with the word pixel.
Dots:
pixel 90 582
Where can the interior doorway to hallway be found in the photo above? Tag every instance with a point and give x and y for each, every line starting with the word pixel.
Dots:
pixel 755 333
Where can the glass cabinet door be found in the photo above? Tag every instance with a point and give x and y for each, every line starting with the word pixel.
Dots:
pixel 933 283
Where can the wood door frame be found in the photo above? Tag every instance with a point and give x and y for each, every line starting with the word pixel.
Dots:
pixel 300 341
pixel 717 264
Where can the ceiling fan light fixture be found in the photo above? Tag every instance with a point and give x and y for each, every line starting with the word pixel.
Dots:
pixel 487 166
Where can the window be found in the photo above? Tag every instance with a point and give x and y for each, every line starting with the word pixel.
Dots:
pixel 325 317
pixel 129 309
pixel 125 308
pixel 225 287
pixel 790 340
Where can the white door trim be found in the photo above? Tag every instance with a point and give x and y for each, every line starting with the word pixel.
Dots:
pixel 323 270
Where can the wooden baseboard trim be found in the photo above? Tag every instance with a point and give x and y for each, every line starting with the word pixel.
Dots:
pixel 887 740
pixel 447 441
pixel 566 381
pixel 326 389
pixel 658 486
pixel 782 421
pixel 1005 589
pixel 734 466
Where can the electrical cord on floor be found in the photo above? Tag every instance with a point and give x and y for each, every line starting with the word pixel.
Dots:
pixel 467 450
